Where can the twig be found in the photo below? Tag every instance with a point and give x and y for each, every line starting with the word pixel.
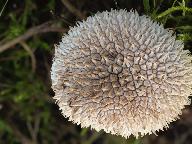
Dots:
pixel 23 139
pixel 16 131
pixel 34 130
pixel 37 124
pixel 43 28
pixel 28 49
pixel 73 9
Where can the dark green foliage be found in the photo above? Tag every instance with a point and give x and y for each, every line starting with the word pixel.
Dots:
pixel 27 112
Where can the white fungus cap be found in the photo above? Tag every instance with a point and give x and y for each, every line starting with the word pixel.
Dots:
pixel 122 73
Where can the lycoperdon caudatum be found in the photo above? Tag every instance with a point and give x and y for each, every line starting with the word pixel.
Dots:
pixel 122 73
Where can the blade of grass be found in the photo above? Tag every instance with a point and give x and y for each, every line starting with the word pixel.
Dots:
pixel 3 7
pixel 166 17
pixel 183 4
pixel 146 6
pixel 174 3
pixel 185 37
pixel 84 131
pixel 185 27
pixel 172 9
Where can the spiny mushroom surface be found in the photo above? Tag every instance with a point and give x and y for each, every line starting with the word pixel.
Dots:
pixel 122 73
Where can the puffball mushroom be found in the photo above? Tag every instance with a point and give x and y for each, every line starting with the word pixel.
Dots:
pixel 122 73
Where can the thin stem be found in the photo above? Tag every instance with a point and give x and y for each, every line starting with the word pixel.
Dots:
pixel 28 49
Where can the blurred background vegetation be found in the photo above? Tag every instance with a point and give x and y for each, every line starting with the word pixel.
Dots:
pixel 28 31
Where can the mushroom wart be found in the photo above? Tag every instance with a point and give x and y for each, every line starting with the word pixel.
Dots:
pixel 122 73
